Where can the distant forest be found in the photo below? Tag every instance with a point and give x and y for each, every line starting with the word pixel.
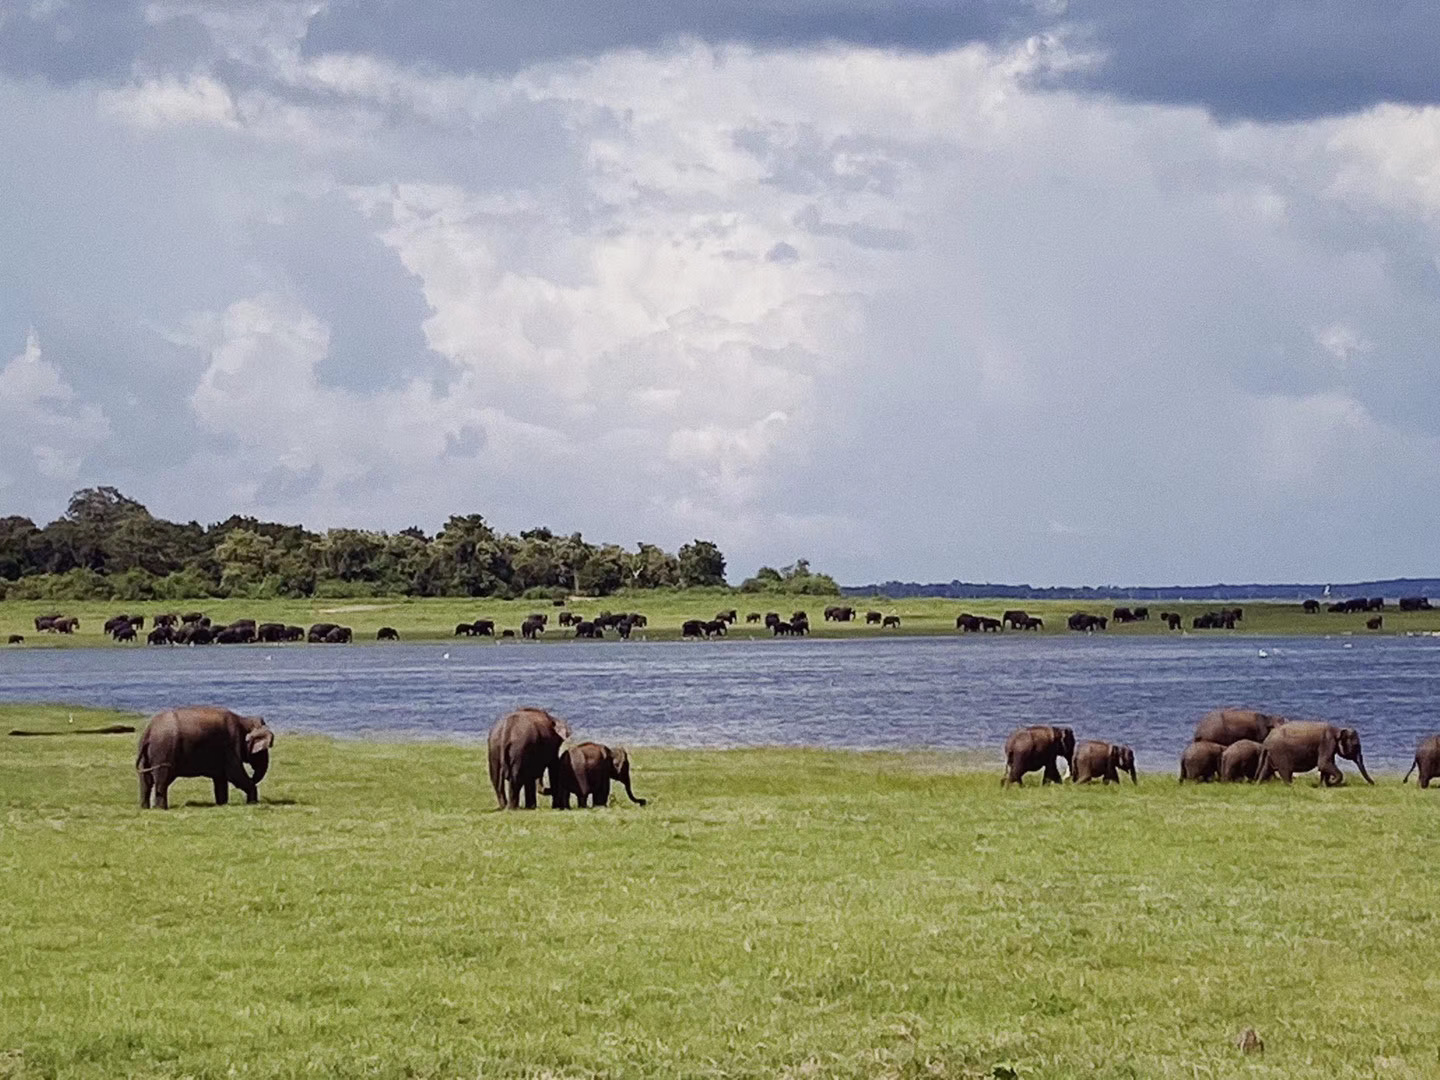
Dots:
pixel 967 590
pixel 108 546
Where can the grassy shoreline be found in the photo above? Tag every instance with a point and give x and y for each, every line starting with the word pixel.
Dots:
pixel 771 913
pixel 422 619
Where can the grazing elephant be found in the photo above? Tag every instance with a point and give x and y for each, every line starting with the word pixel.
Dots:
pixel 317 632
pixel 1375 622
pixel 270 632
pixel 523 744
pixel 1107 761
pixel 753 616
pixel 586 629
pixel 585 771
pixel 1427 760
pixel 202 741
pixel 891 620
pixel 1032 622
pixel 17 639
pixel 464 629
pixel 339 635
pixel 1225 726
pixel 1201 761
pixel 1037 747
pixel 387 633
pixel 1298 747
pixel 715 628
pixel 161 635
pixel 532 628
pixel 1014 618
pixel 968 623
pixel 693 628
pixel 1311 607
pixel 1241 761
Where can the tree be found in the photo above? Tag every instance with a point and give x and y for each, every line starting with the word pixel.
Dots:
pixel 652 568
pixel 245 558
pixel 17 543
pixel 701 563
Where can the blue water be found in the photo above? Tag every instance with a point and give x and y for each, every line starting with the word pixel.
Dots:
pixel 872 692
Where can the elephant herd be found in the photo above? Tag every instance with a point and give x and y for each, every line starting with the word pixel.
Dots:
pixel 234 751
pixel 1232 745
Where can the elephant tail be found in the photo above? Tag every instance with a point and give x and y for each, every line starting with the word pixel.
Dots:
pixel 1413 765
pixel 495 776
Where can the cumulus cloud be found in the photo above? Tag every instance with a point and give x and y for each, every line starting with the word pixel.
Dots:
pixel 45 432
pixel 905 312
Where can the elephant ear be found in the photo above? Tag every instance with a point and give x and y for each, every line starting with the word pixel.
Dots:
pixel 619 762
pixel 258 739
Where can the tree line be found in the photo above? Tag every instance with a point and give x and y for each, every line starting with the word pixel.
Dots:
pixel 109 546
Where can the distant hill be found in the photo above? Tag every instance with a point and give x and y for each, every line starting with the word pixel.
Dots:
pixel 969 590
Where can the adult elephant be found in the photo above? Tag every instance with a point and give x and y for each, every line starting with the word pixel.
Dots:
pixel 523 744
pixel 1298 747
pixel 1032 748
pixel 1102 760
pixel 694 628
pixel 1226 726
pixel 1427 760
pixel 318 632
pixel 202 741
pixel 1200 761
pixel 1241 761
pixel 585 771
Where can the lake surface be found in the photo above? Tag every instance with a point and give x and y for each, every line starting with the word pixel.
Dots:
pixel 964 693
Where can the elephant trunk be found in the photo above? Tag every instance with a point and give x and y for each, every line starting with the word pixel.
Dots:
pixel 625 779
pixel 1360 764
pixel 1413 764
pixel 1133 778
pixel 259 763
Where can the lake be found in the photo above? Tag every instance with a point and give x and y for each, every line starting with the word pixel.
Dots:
pixel 965 693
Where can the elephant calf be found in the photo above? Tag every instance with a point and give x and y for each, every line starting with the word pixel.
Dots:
pixel 1201 761
pixel 1103 760
pixel 1241 761
pixel 1427 760
pixel 1034 748
pixel 202 741
pixel 585 771
pixel 1300 747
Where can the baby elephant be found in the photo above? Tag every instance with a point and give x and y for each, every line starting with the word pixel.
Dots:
pixel 1427 760
pixel 1036 748
pixel 1104 760
pixel 1200 761
pixel 1241 761
pixel 585 771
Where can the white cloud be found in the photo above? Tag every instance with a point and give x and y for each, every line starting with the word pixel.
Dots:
pixel 169 101
pixel 41 420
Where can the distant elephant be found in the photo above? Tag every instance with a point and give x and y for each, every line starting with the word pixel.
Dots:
pixel 1201 761
pixel 587 629
pixel 1225 726
pixel 991 626
pixel 1375 622
pixel 387 633
pixel 891 620
pixel 1103 760
pixel 1170 619
pixel 693 628
pixel 1037 747
pixel 317 632
pixel 968 623
pixel 532 628
pixel 161 635
pixel 483 627
pixel 1014 618
pixel 17 639
pixel 202 741
pixel 523 745
pixel 873 617
pixel 1241 761
pixel 339 635
pixel 754 616
pixel 1311 607
pixel 1427 760
pixel 507 633
pixel 715 628
pixel 463 629
pixel 270 632
pixel 782 629
pixel 1301 746
pixel 585 771
pixel 1032 622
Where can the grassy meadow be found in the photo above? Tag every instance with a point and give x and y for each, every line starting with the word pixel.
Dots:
pixel 771 913
pixel 425 619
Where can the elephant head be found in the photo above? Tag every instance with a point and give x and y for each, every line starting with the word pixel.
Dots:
pixel 1065 739
pixel 258 741
pixel 620 770
pixel 1347 745
pixel 1123 758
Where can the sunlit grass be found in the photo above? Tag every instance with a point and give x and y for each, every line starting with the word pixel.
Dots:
pixel 771 913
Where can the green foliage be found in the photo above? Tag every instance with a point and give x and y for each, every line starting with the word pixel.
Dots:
pixel 771 913
pixel 796 578
pixel 701 563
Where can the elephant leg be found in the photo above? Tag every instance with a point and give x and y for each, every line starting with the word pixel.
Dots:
pixel 235 773
pixel 1052 774
pixel 1424 778
pixel 529 787
pixel 147 782
pixel 1330 776
pixel 161 798
pixel 222 790
pixel 601 794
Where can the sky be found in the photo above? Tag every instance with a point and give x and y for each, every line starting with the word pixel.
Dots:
pixel 1026 291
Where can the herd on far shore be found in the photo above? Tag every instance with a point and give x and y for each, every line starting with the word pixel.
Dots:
pixel 196 628
pixel 529 745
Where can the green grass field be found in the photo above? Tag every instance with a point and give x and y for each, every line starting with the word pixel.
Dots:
pixel 770 913
pixel 435 619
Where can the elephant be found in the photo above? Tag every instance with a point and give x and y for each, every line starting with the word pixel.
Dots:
pixel 782 629
pixel 17 639
pixel 1311 607
pixel 623 628
pixel 161 635
pixel 192 616
pixel 523 745
pixel 584 629
pixel 1201 761
pixel 891 620
pixel 270 632
pixel 753 617
pixel 872 617
pixel 1241 761
pixel 1298 747
pixel 387 633
pixel 1427 760
pixel 1375 622
pixel 694 628
pixel 968 623
pixel 463 629
pixel 338 635
pixel 585 771
pixel 715 628
pixel 1014 618
pixel 1225 726
pixel 317 632
pixel 1414 603
pixel 125 632
pixel 202 741
pixel 1107 761
pixel 1037 747
pixel 1032 622
pixel 532 628
pixel 483 627
pixel 990 626
pixel 1170 619
pixel 771 618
